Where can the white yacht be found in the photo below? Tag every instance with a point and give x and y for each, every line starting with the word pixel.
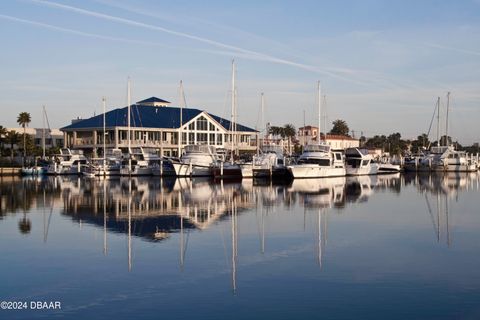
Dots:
pixel 318 161
pixel 271 162
pixel 446 158
pixel 107 166
pixel 196 160
pixel 359 162
pixel 68 162
pixel 137 163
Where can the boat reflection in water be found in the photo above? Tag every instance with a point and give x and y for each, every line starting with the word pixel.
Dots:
pixel 153 209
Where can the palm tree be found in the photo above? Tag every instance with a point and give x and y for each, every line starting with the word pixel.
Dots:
pixel 289 131
pixel 276 131
pixel 3 134
pixel 23 120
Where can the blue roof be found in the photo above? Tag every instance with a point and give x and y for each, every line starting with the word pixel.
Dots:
pixel 148 117
pixel 153 99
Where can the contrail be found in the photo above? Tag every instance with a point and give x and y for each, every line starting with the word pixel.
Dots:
pixel 250 53
pixel 103 37
pixel 434 45
pixel 77 32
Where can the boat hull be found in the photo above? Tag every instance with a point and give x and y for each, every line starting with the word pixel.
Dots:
pixel 362 171
pixel 190 170
pixel 303 171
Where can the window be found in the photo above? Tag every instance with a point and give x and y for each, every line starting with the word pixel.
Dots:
pixel 184 138
pixel 219 138
pixel 191 138
pixel 174 136
pixel 202 124
pixel 191 126
pixel 211 127
pixel 201 137
pixel 164 136
pixel 212 138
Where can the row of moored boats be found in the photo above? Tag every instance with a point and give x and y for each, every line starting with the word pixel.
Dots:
pixel 317 161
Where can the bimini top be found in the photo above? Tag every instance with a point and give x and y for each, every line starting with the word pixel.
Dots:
pixel 142 116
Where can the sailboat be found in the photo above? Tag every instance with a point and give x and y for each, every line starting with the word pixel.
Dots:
pixel 110 163
pixel 40 167
pixel 230 169
pixel 446 158
pixel 318 160
pixel 196 159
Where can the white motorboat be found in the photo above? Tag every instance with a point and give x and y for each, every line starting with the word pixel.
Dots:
pixel 270 163
pixel 68 162
pixel 318 161
pixel 137 163
pixel 108 166
pixel 359 162
pixel 446 158
pixel 196 160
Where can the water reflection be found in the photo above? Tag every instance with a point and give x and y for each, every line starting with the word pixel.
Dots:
pixel 153 209
pixel 164 206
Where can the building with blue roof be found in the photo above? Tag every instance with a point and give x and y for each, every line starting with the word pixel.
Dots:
pixel 155 124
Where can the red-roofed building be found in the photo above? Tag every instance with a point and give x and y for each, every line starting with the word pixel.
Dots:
pixel 308 134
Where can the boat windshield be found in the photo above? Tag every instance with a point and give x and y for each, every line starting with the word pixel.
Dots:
pixel 272 149
pixel 320 162
pixel 317 148
pixel 199 148
pixel 439 150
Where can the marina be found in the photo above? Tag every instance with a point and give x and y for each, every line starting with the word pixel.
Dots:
pixel 240 160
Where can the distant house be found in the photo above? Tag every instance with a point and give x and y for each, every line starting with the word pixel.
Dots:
pixel 155 124
pixel 53 137
pixel 309 134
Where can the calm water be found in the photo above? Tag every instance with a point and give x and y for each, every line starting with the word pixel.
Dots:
pixel 385 247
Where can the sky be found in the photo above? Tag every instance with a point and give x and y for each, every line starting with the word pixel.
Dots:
pixel 381 64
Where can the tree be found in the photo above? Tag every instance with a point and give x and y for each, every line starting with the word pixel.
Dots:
pixel 3 134
pixel 340 127
pixel 12 138
pixel 23 120
pixel 422 142
pixel 289 131
pixel 277 131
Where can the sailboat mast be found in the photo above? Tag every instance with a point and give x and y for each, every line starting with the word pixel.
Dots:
pixel 446 121
pixel 232 124
pixel 262 119
pixel 43 133
pixel 325 114
pixel 319 111
pixel 180 133
pixel 438 121
pixel 128 115
pixel 104 134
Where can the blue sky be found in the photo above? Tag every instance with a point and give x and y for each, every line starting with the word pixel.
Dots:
pixel 381 64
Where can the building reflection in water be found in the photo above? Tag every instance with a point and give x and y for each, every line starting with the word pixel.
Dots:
pixel 153 209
